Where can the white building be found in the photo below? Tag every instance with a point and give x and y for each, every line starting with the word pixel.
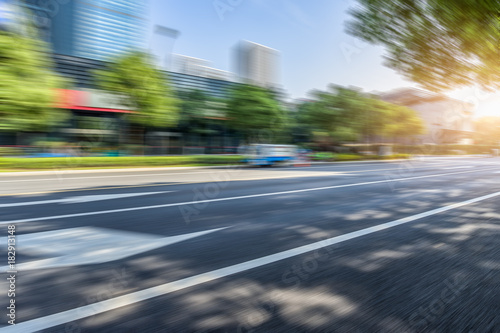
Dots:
pixel 199 67
pixel 447 120
pixel 257 64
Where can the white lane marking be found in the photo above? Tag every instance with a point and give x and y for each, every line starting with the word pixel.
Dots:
pixel 167 288
pixel 98 177
pixel 460 167
pixel 90 245
pixel 80 199
pixel 230 198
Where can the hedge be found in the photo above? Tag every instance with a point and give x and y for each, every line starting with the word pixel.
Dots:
pixel 430 149
pixel 326 156
pixel 128 161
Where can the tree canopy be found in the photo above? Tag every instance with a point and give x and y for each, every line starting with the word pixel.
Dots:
pixel 337 112
pixel 144 89
pixel 439 44
pixel 402 122
pixel 199 112
pixel 346 114
pixel 252 110
pixel 27 85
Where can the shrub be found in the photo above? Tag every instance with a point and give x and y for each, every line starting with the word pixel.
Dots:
pixel 10 151
pixel 129 161
pixel 348 157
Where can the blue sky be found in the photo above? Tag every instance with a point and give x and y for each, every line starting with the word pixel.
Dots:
pixel 314 49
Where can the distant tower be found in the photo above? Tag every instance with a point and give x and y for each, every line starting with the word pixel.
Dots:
pixel 257 64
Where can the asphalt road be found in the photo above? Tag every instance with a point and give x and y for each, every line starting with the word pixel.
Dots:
pixel 408 246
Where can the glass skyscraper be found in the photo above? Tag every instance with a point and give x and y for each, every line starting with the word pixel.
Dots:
pixel 94 29
pixel 104 28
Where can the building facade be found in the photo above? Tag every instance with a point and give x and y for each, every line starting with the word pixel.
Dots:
pixel 98 114
pixel 99 29
pixel 257 64
pixel 447 120
pixel 93 29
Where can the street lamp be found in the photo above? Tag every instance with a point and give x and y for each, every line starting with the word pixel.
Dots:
pixel 170 33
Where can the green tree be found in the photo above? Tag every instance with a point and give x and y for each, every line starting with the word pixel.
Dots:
pixel 438 43
pixel 255 113
pixel 198 111
pixel 338 113
pixel 301 130
pixel 144 88
pixel 201 116
pixel 345 114
pixel 402 122
pixel 27 85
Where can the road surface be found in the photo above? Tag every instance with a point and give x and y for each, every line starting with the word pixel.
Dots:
pixel 408 246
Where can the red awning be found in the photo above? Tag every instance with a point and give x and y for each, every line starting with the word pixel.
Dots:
pixel 81 100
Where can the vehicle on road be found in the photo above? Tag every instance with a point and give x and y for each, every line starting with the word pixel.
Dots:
pixel 269 154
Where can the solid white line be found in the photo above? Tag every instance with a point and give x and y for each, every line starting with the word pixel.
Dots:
pixel 98 177
pixel 461 167
pixel 230 198
pixel 167 288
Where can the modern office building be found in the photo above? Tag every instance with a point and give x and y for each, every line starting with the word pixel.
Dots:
pixel 19 15
pixel 93 29
pixel 210 86
pixel 199 67
pixel 447 120
pixel 83 35
pixel 7 14
pixel 79 71
pixel 257 64
pixel 99 29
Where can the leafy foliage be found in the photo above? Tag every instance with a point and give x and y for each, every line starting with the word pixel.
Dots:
pixel 254 112
pixel 337 113
pixel 402 122
pixel 144 89
pixel 27 85
pixel 437 43
pixel 199 111
pixel 345 114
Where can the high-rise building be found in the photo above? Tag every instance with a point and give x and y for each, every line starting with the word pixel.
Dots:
pixel 7 14
pixel 99 29
pixel 93 29
pixel 19 16
pixel 257 64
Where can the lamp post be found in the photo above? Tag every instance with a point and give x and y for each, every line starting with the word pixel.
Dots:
pixel 169 33
pixel 172 34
